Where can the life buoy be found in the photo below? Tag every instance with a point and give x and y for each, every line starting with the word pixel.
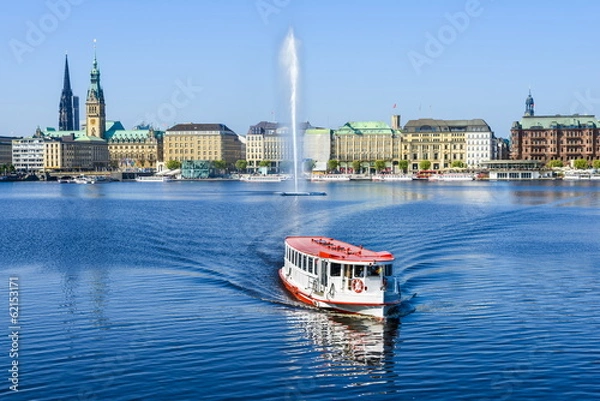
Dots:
pixel 357 285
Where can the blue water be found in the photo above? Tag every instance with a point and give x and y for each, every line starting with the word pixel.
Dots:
pixel 146 291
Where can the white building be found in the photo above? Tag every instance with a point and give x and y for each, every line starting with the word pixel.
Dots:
pixel 272 142
pixel 480 143
pixel 317 147
pixel 28 154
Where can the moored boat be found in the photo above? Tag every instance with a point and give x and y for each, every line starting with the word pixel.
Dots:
pixel 574 175
pixel 66 179
pixel 331 274
pixel 452 177
pixel 154 178
pixel 84 179
pixel 330 177
pixel 392 177
pixel 264 178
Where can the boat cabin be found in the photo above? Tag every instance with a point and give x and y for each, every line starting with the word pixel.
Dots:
pixel 327 266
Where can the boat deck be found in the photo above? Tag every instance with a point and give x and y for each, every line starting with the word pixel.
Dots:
pixel 326 247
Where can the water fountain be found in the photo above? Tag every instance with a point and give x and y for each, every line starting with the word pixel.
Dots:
pixel 289 60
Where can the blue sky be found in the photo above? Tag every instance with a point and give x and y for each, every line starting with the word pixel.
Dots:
pixel 217 61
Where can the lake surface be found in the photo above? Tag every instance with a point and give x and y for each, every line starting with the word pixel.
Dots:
pixel 169 291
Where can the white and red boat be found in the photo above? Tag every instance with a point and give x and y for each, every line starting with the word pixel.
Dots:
pixel 332 274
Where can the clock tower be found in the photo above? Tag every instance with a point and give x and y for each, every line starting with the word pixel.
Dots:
pixel 94 104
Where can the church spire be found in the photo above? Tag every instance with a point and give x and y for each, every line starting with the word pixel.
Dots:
pixel 65 111
pixel 529 105
pixel 67 78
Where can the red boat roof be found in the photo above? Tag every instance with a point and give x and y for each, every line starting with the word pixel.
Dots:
pixel 325 247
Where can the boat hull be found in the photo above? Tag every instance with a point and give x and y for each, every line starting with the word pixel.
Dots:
pixel 380 310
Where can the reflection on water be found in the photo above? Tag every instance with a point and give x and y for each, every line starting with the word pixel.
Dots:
pixel 171 291
pixel 348 340
pixel 582 194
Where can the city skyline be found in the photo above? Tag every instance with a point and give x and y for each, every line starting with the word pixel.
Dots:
pixel 163 63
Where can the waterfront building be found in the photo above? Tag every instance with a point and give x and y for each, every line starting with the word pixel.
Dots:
pixel 71 153
pixel 272 142
pixel 559 137
pixel 141 147
pixel 6 153
pixel 28 154
pixel 195 169
pixel 480 143
pixel 318 147
pixel 200 141
pixel 515 170
pixel 443 142
pixel 366 142
pixel 501 149
pixel 266 141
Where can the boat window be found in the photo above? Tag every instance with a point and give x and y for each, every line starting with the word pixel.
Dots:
pixel 310 264
pixel 304 264
pixel 336 269
pixel 388 270
pixel 359 271
pixel 373 270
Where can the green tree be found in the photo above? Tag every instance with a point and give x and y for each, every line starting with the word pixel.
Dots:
pixel 403 165
pixel 173 164
pixel 241 165
pixel 596 164
pixel 286 166
pixel 264 163
pixel 554 163
pixel 458 164
pixel 219 165
pixel 379 165
pixel 309 165
pixel 580 164
pixel 332 165
pixel 424 165
pixel 356 166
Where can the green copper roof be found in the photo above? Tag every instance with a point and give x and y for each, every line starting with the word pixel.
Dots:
pixel 112 126
pixel 128 135
pixel 559 121
pixel 114 132
pixel 365 128
pixel 85 138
